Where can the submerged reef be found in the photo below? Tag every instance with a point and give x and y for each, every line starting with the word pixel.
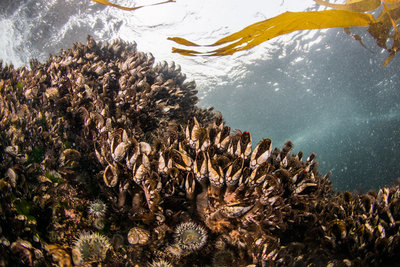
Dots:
pixel 105 158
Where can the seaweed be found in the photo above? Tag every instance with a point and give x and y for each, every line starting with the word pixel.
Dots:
pixel 352 14
pixel 53 177
pixel 353 5
pixel 23 208
pixel 287 22
pixel 107 3
pixel 36 156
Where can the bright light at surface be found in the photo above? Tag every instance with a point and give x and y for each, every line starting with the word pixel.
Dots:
pixel 203 22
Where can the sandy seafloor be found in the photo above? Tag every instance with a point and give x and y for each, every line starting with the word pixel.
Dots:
pixel 319 89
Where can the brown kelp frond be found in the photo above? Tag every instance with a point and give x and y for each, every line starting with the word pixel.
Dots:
pixel 351 14
pixel 356 37
pixel 396 38
pixel 287 22
pixel 353 5
pixel 105 2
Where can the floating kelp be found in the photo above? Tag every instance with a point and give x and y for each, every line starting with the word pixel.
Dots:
pixel 149 179
pixel 107 3
pixel 287 22
pixel 351 14
pixel 355 5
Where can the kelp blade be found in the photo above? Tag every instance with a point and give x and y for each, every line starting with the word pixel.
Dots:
pixel 105 2
pixel 184 52
pixel 182 41
pixel 381 29
pixel 391 1
pixel 356 6
pixel 284 23
pixel 396 38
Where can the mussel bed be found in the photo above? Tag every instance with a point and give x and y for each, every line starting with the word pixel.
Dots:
pixel 105 158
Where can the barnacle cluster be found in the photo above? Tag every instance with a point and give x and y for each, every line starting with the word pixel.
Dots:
pixel 177 186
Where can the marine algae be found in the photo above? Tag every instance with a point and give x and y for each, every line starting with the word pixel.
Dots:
pixel 287 22
pixel 353 5
pixel 107 3
pixel 352 14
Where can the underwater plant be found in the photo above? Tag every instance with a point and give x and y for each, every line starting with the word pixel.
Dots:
pixel 352 14
pixel 287 22
pixel 105 2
